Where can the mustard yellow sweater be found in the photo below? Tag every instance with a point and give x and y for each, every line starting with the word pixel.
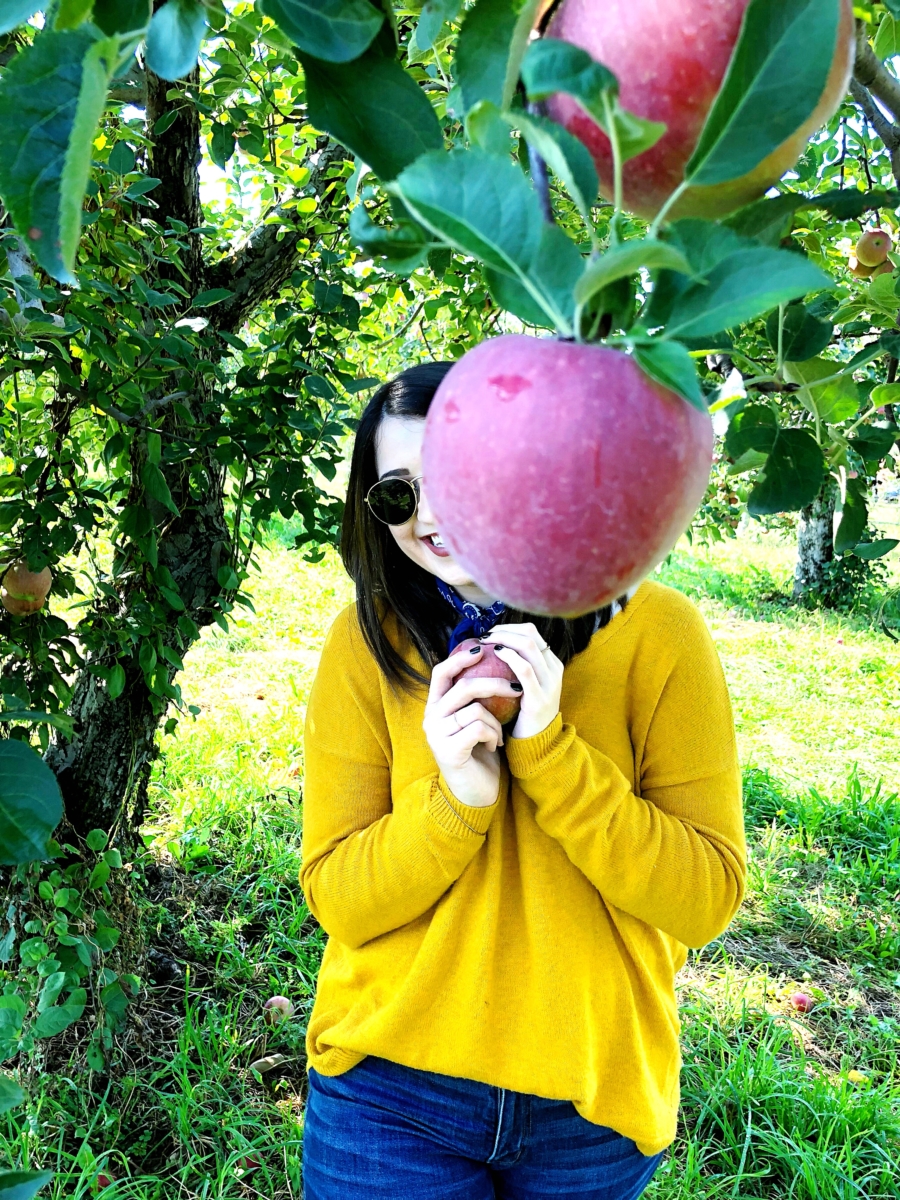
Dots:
pixel 531 945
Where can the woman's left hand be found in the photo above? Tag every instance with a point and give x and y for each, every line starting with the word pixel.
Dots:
pixel 538 670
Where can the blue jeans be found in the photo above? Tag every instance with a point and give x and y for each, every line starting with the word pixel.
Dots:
pixel 382 1131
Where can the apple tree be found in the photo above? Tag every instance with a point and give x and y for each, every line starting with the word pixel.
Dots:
pixel 175 373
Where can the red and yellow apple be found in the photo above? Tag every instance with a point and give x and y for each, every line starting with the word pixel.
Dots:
pixel 277 1009
pixel 873 247
pixel 24 591
pixel 855 267
pixel 559 473
pixel 489 666
pixel 670 57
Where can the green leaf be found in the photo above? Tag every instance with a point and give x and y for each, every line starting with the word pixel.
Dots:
pixel 431 21
pixel 22 1185
pixel 405 245
pixel 30 804
pixel 99 875
pixel 874 442
pixel 155 485
pixel 213 296
pixel 174 38
pixel 803 336
pixel 122 16
pixel 53 985
pixel 17 12
pixel 11 1094
pixel 887 39
pixel 60 721
pixel 71 13
pixel 554 270
pixel 52 95
pixel 755 427
pixel 750 460
pixel 481 204
pixel 113 856
pixel 486 128
pixel 142 186
pixel 566 156
pixel 853 518
pixel 374 108
pixel 492 40
pixel 221 144
pixel 116 683
pixel 669 364
pixel 334 30
pixel 876 549
pixel 317 385
pixel 767 220
pixel 552 65
pixel 115 1002
pixel 54 1020
pixel 121 159
pixel 792 476
pixel 741 287
pixel 881 293
pixel 626 259
pixel 97 840
pixel 832 402
pixel 770 90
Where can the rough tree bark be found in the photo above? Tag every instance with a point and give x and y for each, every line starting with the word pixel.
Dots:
pixel 103 771
pixel 815 541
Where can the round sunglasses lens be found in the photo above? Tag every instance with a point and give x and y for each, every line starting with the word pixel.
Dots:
pixel 393 501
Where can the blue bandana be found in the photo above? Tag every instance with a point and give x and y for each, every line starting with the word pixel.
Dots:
pixel 474 622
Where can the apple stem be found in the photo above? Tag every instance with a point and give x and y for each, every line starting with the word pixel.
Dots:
pixel 539 170
pixel 667 208
pixel 613 134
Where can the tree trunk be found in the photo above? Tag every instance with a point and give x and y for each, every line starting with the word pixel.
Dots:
pixel 815 541
pixel 103 772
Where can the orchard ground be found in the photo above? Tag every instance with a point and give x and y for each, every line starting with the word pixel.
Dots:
pixel 777 1103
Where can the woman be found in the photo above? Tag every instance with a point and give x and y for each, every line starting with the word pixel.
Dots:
pixel 506 908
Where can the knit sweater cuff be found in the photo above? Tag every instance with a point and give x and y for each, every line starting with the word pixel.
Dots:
pixel 454 816
pixel 528 756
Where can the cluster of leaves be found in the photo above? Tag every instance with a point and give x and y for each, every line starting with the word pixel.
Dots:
pixel 30 809
pixel 666 295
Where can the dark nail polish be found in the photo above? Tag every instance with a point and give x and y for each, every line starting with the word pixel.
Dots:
pixel 497 646
pixel 475 650
pixel 516 686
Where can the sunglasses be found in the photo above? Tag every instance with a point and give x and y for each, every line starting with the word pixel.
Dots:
pixel 394 501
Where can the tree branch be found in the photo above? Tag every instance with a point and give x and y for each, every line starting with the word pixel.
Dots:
pixel 873 75
pixel 889 133
pixel 263 264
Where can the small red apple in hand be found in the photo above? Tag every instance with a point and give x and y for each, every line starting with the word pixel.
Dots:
pixel 277 1009
pixel 489 666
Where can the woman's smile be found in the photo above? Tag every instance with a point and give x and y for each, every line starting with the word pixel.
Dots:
pixel 435 544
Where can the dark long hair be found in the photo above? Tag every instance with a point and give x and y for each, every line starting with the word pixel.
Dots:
pixel 388 581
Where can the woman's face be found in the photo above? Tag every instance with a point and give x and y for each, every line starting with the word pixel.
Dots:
pixel 398 451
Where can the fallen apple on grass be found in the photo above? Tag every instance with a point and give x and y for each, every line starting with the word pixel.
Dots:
pixel 489 666
pixel 671 57
pixel 559 473
pixel 801 1002
pixel 277 1009
pixel 23 590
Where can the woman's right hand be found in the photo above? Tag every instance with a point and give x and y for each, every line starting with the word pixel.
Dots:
pixel 462 734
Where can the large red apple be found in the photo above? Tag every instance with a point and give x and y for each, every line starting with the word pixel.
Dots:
pixel 559 473
pixel 23 590
pixel 489 666
pixel 670 57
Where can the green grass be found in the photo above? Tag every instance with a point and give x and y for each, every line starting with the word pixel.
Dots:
pixel 771 1107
